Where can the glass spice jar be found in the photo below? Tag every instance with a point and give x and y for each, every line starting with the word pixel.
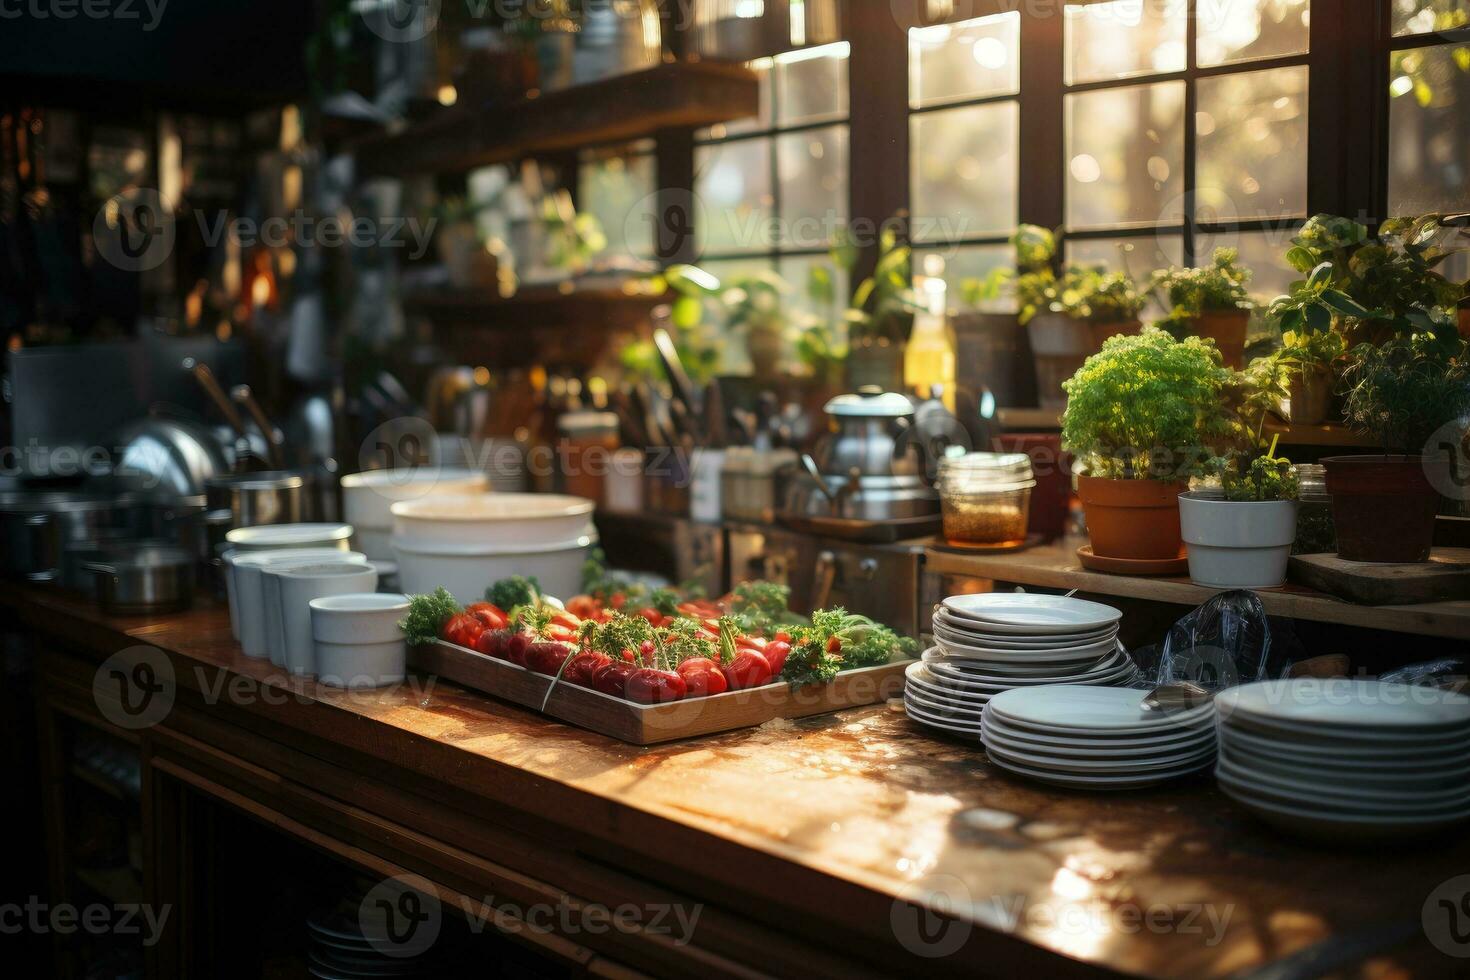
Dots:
pixel 985 498
pixel 1315 533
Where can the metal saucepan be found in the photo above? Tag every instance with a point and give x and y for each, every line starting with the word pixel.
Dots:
pixel 270 497
pixel 36 524
pixel 144 581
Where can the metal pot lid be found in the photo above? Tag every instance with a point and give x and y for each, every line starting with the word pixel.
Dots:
pixel 264 480
pixel 870 401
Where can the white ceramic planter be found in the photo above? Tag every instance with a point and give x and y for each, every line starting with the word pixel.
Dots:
pixel 367 499
pixel 489 523
pixel 1237 544
pixel 298 585
pixel 266 537
pixel 466 576
pixel 248 619
pixel 357 640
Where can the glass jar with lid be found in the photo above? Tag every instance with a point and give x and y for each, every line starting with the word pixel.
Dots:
pixel 985 498
pixel 1315 533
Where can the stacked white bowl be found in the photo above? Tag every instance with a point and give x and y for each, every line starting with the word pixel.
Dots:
pixel 1346 758
pixel 990 643
pixel 464 543
pixel 1095 738
pixel 295 585
pixel 358 641
pixel 367 499
pixel 245 588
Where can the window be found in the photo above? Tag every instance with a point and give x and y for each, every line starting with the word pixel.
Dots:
pixel 618 185
pixel 1185 128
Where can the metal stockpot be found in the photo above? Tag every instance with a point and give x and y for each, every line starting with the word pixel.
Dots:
pixel 270 497
pixel 141 581
pixel 36 525
pixel 870 435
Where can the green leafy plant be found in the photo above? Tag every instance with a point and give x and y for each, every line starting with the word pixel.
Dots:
pixel 1093 294
pixel 573 239
pixel 518 590
pixel 698 343
pixel 1034 278
pixel 838 640
pixel 1219 287
pixel 1148 407
pixel 426 613
pixel 1266 477
pixel 1401 392
pixel 883 305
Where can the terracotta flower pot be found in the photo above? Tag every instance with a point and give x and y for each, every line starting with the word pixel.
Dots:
pixel 1383 507
pixel 1135 519
pixel 1312 397
pixel 1059 346
pixel 1465 322
pixel 1227 329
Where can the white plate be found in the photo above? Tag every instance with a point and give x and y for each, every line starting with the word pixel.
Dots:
pixel 1097 767
pixel 1005 612
pixel 980 651
pixel 1316 803
pixel 963 716
pixel 1343 792
pixel 1368 756
pixel 970 628
pixel 1318 826
pixel 935 721
pixel 1067 707
pixel 1089 748
pixel 1017 659
pixel 995 674
pixel 1387 776
pixel 1349 703
pixel 1109 782
pixel 1346 738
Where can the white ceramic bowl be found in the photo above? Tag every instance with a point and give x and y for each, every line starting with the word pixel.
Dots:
pixel 264 537
pixel 466 576
pixel 248 615
pixel 368 497
pixel 357 640
pixel 490 523
pixel 272 628
pixel 298 585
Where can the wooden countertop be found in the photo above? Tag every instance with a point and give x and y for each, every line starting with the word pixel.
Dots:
pixel 816 827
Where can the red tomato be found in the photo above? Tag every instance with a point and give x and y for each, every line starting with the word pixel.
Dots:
pixel 613 678
pixel 750 642
pixel 493 643
pixel 652 615
pixel 563 618
pixel 463 629
pixel 547 658
pixel 561 634
pixel 702 676
pixel 584 666
pixel 782 636
pixel 516 647
pixel 649 686
pixel 748 669
pixel 618 600
pixel 776 653
pixel 584 606
pixel 834 644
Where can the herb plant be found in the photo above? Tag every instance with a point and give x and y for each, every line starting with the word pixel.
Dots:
pixel 1219 287
pixel 1148 407
pixel 838 640
pixel 426 614
pixel 518 590
pixel 1403 391
pixel 1089 293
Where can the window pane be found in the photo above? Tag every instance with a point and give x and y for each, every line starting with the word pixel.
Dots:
pixel 812 166
pixel 967 60
pixel 1252 133
pixel 1429 130
pixel 964 167
pixel 1125 156
pixel 618 191
pixel 811 85
pixel 733 185
pixel 1262 252
pixel 1429 16
pixel 1137 256
pixel 972 262
pixel 750 124
pixel 1244 30
pixel 797 270
pixel 1123 38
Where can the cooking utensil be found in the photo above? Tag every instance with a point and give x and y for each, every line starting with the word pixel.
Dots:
pixel 144 581
pixel 668 355
pixel 36 524
pixel 211 386
pixel 269 497
pixel 273 439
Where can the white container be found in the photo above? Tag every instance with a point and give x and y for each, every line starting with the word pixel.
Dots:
pixel 259 544
pixel 704 485
pixel 244 579
pixel 622 488
pixel 298 585
pixel 266 537
pixel 1237 544
pixel 358 642
pixel 489 523
pixel 367 499
pixel 272 628
pixel 466 576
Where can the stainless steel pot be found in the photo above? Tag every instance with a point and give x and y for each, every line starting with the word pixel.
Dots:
pixel 141 581
pixel 36 525
pixel 858 497
pixel 870 434
pixel 76 555
pixel 270 497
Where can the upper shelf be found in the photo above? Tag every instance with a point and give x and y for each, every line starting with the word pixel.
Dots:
pixel 676 95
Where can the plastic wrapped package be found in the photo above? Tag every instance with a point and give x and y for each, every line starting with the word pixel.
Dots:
pixel 1449 672
pixel 1225 642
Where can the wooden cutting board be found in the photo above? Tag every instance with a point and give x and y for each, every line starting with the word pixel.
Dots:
pixel 1445 576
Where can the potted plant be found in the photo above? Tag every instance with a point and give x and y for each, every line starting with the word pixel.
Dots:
pixel 755 304
pixel 1209 302
pixel 1083 308
pixel 880 315
pixel 1403 393
pixel 1139 414
pixel 1307 359
pixel 1241 538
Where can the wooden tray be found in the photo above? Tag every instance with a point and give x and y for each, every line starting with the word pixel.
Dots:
pixel 1446 575
pixel 647 724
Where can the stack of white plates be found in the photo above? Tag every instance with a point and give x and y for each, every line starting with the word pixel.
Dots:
pixel 1095 738
pixel 1347 758
pixel 987 644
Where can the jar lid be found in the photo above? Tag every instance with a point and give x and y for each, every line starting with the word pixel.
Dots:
pixel 870 401
pixel 584 422
pixel 989 466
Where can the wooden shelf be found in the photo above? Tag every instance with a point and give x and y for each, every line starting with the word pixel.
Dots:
pixel 1318 435
pixel 1029 418
pixel 678 95
pixel 535 305
pixel 1055 566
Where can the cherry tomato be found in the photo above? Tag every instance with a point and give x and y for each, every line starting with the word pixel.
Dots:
pixel 649 686
pixel 547 658
pixel 834 644
pixel 494 642
pixel 490 614
pixel 583 666
pixel 613 678
pixel 561 634
pixel 782 636
pixel 563 618
pixel 652 615
pixel 748 669
pixel 776 653
pixel 463 629
pixel 618 600
pixel 584 606
pixel 702 676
